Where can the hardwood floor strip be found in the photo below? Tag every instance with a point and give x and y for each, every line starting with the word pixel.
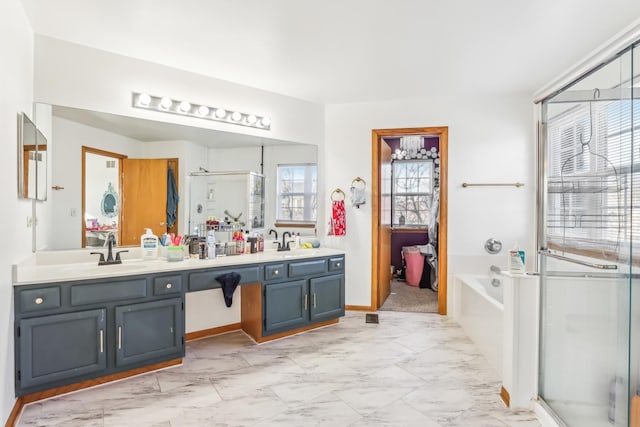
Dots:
pixel 34 397
pixel 212 331
pixel 15 413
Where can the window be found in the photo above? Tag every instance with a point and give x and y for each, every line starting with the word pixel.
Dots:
pixel 591 166
pixel 411 192
pixel 297 187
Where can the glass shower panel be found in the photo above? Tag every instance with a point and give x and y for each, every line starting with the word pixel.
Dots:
pixel 585 246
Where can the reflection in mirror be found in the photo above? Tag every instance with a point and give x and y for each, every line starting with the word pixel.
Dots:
pixel 135 138
pixel 32 160
pixel 100 207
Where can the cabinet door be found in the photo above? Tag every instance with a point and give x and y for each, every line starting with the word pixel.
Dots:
pixel 286 305
pixel 62 346
pixel 149 331
pixel 327 297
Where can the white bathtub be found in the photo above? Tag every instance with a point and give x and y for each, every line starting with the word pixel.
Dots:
pixel 479 310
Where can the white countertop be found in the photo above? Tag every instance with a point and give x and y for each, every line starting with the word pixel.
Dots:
pixel 36 270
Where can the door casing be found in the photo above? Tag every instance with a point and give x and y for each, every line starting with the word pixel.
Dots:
pixel 376 138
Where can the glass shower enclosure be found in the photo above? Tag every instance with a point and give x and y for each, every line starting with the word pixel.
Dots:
pixel 589 247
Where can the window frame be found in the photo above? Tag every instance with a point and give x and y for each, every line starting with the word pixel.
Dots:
pixel 406 194
pixel 309 207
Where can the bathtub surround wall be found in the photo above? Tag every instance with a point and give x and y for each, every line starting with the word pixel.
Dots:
pixel 499 312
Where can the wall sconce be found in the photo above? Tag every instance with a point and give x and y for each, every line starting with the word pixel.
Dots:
pixel 185 108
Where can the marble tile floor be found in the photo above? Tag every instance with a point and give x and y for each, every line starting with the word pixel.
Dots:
pixel 411 369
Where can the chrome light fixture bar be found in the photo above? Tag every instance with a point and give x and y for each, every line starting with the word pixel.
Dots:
pixel 185 108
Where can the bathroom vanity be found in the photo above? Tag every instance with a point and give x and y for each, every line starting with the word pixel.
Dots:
pixel 80 322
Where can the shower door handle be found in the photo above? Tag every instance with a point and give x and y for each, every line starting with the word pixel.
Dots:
pixel 577 261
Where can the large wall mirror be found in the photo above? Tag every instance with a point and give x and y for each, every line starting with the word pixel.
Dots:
pixel 90 202
pixel 32 160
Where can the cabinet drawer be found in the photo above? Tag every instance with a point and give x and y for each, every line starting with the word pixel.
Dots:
pixel 336 264
pixel 110 291
pixel 305 268
pixel 207 279
pixel 274 271
pixel 39 299
pixel 167 285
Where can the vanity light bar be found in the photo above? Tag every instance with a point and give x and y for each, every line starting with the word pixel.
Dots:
pixel 185 108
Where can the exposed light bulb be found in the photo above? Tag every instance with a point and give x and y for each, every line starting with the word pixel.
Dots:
pixel 203 110
pixel 166 102
pixel 144 99
pixel 220 113
pixel 266 121
pixel 185 107
pixel 251 119
pixel 236 116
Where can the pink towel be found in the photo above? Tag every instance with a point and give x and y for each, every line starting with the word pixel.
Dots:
pixel 338 218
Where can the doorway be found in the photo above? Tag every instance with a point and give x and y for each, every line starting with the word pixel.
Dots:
pixel 381 213
pixel 122 197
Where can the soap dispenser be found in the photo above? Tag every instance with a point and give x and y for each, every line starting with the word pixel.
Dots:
pixel 149 245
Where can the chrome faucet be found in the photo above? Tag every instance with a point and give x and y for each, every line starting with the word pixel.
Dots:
pixel 285 243
pixel 111 242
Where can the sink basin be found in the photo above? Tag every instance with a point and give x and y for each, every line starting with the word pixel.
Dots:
pixel 94 269
pixel 298 253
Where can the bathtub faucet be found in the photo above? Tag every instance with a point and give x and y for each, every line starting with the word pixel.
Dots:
pixel 495 269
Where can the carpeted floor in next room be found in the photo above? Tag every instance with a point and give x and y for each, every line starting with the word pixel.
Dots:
pixel 410 298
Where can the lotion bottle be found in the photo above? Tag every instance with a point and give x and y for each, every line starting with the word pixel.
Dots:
pixel 516 260
pixel 149 245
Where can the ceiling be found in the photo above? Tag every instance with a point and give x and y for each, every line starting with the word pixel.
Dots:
pixel 342 51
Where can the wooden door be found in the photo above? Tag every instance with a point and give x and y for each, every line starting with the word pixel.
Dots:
pixel 384 236
pixel 144 199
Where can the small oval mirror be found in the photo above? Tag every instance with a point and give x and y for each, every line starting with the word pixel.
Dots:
pixel 109 204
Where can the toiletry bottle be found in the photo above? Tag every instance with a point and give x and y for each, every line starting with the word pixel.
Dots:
pixel 516 259
pixel 211 244
pixel 297 240
pixel 149 245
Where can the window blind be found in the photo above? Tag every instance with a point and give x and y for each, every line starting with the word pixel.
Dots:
pixel 592 170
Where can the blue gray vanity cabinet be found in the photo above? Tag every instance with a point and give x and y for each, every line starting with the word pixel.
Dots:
pixel 326 297
pixel 61 346
pixel 148 330
pixel 286 305
pixel 69 332
pixel 309 292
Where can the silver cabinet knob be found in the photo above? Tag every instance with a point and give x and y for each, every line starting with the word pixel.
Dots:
pixel 338 264
pixel 168 285
pixel 39 300
pixel 276 272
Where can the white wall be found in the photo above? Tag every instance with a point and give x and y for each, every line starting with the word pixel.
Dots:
pixel 491 139
pixel 80 77
pixel 66 166
pixel 16 87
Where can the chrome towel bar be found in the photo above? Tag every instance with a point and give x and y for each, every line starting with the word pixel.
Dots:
pixel 515 184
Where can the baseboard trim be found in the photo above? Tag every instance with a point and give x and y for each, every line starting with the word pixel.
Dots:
pixel 190 336
pixel 359 308
pixel 15 413
pixel 504 395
